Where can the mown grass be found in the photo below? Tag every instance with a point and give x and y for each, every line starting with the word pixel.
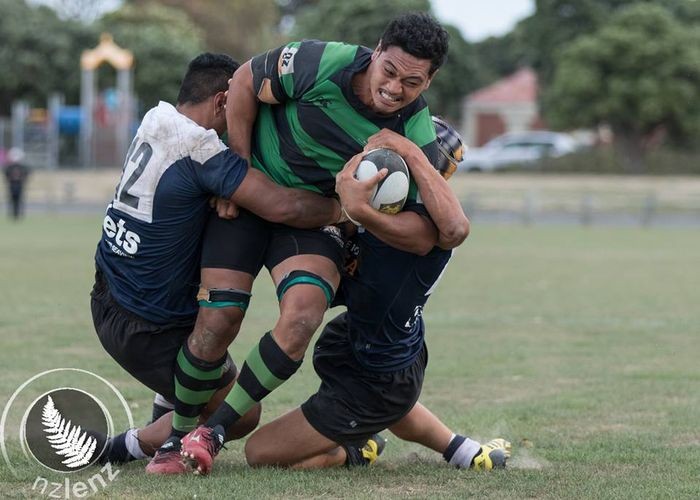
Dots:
pixel 580 345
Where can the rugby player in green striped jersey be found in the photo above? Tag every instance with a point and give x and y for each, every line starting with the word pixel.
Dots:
pixel 299 113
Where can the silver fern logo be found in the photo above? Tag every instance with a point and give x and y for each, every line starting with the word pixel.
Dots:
pixel 68 440
pixel 66 429
pixel 54 429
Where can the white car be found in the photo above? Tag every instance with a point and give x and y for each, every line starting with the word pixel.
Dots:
pixel 517 148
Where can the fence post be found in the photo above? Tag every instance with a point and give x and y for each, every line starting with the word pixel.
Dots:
pixel 587 209
pixel 55 103
pixel 528 207
pixel 470 203
pixel 20 111
pixel 649 209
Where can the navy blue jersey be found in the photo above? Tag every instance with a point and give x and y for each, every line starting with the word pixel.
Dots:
pixel 152 230
pixel 385 300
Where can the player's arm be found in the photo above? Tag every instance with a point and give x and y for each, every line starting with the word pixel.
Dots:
pixel 257 80
pixel 241 110
pixel 294 207
pixel 407 231
pixel 440 201
pixel 226 175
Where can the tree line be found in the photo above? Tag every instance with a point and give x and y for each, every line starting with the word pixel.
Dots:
pixel 633 65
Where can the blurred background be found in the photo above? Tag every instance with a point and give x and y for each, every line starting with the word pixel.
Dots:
pixel 584 110
pixel 568 322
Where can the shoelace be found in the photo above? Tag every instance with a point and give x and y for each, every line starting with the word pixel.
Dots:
pixel 212 442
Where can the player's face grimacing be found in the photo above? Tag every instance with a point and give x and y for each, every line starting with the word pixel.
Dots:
pixel 396 79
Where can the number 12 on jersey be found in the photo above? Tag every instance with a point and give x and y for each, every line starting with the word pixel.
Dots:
pixel 131 196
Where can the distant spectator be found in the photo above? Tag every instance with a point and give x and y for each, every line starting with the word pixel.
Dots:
pixel 16 173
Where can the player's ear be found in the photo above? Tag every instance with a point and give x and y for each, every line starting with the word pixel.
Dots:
pixel 430 79
pixel 377 50
pixel 220 102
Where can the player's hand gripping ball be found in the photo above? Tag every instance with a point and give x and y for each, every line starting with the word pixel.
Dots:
pixel 390 194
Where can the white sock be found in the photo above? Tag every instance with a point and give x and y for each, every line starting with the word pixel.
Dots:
pixel 132 444
pixel 463 456
pixel 161 401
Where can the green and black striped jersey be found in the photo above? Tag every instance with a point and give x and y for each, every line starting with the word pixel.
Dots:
pixel 320 123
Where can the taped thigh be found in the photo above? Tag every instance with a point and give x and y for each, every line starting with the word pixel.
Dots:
pixel 305 278
pixel 223 297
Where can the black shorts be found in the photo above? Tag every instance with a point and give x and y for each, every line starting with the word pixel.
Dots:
pixel 248 242
pixel 146 350
pixel 288 241
pixel 353 403
pixel 238 244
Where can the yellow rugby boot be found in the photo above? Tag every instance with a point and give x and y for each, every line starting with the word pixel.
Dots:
pixel 373 448
pixel 493 455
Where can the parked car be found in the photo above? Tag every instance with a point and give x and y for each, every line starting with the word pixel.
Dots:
pixel 517 148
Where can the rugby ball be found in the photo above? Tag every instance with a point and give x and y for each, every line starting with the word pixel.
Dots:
pixel 390 194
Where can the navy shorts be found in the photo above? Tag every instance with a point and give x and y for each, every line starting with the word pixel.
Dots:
pixel 352 402
pixel 146 350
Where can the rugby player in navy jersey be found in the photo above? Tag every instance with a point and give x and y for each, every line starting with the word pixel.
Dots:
pixel 144 301
pixel 300 112
pixel 371 359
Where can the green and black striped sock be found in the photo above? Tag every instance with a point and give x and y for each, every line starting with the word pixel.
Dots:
pixel 196 381
pixel 265 369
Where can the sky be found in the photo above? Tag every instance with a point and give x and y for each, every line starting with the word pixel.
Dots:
pixel 479 19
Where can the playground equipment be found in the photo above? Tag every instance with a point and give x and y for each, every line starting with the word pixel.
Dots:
pixel 35 133
pixel 111 136
pixel 101 124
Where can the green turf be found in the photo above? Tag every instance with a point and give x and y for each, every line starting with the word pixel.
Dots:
pixel 580 345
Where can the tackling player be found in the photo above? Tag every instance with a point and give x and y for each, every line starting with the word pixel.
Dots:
pixel 372 358
pixel 143 301
pixel 314 105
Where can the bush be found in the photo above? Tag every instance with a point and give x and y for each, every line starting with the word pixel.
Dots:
pixel 604 160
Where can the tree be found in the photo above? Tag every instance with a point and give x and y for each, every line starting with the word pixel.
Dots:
pixel 497 57
pixel 39 54
pixel 458 76
pixel 556 23
pixel 686 11
pixel 163 41
pixel 363 21
pixel 240 28
pixel 289 10
pixel 359 22
pixel 640 74
pixel 291 7
pixel 536 40
pixel 86 11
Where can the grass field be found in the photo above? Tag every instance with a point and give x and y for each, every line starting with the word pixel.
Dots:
pixel 580 345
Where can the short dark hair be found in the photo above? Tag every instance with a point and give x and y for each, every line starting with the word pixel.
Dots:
pixel 207 74
pixel 419 34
